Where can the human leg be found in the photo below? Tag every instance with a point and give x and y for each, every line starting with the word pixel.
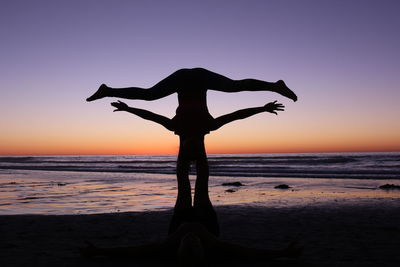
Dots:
pixel 165 87
pixel 203 209
pixel 184 198
pixel 258 85
pixel 183 211
pixel 214 81
pixel 216 248
pixel 201 197
pixel 185 232
pixel 139 251
pixel 221 249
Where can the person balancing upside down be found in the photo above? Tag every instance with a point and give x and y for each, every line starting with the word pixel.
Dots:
pixel 198 221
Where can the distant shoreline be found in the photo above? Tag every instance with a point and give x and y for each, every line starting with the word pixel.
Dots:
pixel 311 165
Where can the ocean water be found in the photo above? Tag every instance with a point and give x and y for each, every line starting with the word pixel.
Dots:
pixel 97 184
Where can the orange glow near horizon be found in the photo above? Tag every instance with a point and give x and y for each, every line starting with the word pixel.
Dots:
pixel 218 144
pixel 125 135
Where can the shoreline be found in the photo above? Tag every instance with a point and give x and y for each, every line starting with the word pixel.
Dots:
pixel 56 193
pixel 346 234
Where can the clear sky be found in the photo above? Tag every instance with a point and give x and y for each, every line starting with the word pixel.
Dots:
pixel 341 58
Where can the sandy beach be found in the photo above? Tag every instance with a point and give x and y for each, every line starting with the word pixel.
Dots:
pixel 366 234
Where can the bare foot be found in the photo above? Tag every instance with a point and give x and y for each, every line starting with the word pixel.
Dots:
pixel 285 91
pixel 100 93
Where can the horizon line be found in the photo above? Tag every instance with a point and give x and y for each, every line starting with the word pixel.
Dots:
pixel 123 154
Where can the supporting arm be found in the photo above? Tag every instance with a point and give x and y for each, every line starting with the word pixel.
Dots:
pixel 144 114
pixel 271 107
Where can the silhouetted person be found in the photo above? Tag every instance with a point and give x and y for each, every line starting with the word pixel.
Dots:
pixel 191 148
pixel 191 122
pixel 193 84
pixel 193 245
pixel 193 228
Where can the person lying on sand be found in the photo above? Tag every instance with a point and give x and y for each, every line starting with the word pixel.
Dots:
pixel 191 131
pixel 192 245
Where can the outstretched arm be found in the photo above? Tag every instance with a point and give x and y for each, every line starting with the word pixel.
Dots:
pixel 144 114
pixel 271 107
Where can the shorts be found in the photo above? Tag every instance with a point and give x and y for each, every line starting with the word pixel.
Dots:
pixel 193 123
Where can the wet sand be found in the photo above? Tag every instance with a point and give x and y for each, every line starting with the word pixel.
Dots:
pixel 366 234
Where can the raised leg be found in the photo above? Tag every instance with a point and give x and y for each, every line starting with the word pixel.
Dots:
pixel 184 198
pixel 162 89
pixel 201 197
pixel 214 81
pixel 183 211
pixel 203 209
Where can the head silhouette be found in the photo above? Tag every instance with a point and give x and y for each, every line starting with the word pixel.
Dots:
pixel 191 251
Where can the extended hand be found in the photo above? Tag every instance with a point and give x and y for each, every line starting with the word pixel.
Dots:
pixel 121 106
pixel 273 107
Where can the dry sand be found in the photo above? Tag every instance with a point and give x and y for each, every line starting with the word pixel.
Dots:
pixel 334 235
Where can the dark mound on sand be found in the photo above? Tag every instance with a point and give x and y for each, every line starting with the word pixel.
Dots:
pixel 230 191
pixel 389 186
pixel 282 186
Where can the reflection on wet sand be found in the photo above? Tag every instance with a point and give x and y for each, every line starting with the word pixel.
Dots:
pixel 75 193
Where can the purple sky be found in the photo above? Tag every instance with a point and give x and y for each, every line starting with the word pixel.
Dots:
pixel 341 58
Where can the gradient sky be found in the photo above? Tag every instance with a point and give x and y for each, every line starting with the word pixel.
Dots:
pixel 341 58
